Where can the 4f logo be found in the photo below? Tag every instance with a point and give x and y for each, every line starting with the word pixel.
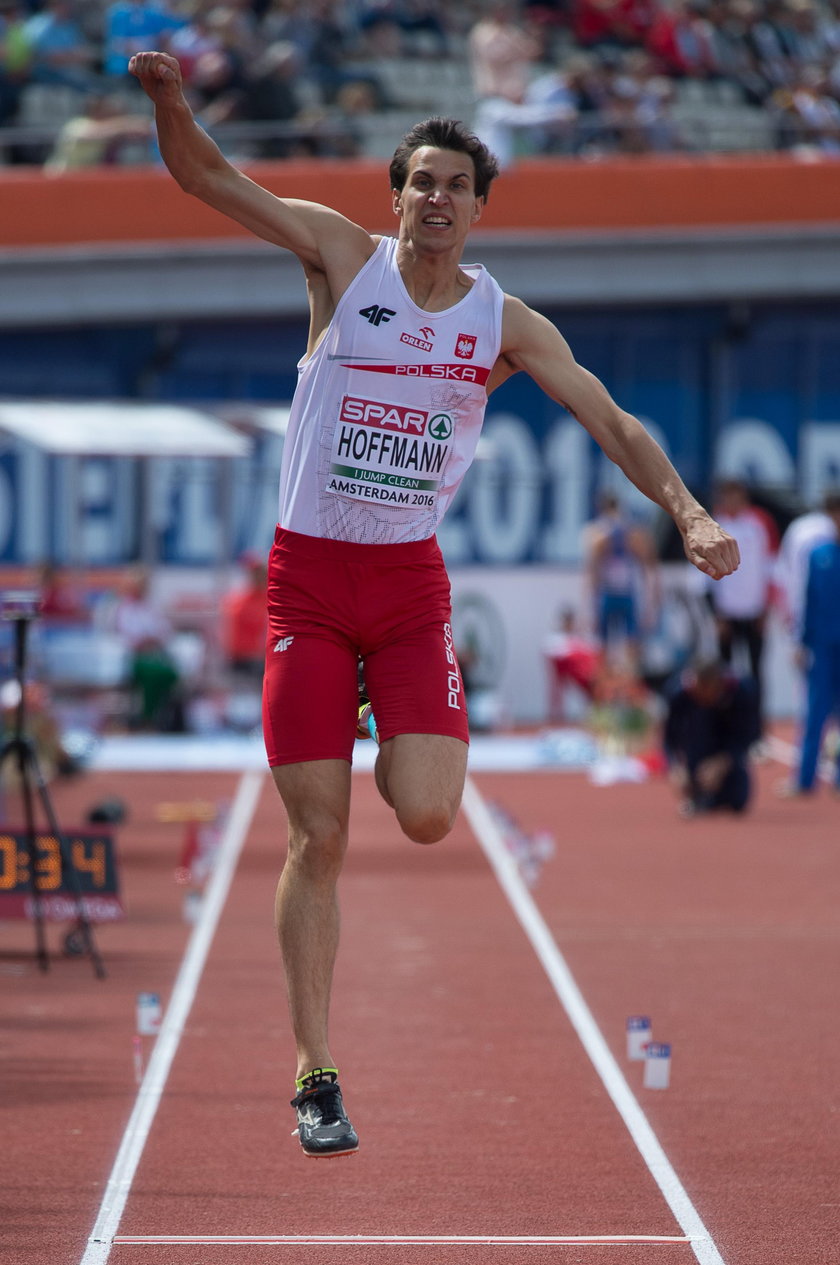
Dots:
pixel 283 644
pixel 376 315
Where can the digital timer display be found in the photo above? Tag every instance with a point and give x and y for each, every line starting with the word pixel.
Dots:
pixel 45 875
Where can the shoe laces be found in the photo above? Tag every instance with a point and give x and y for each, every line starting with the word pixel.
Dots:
pixel 328 1097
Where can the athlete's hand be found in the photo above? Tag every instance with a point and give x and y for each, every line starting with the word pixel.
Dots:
pixel 159 75
pixel 709 548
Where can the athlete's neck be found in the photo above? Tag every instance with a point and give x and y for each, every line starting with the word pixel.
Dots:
pixel 434 282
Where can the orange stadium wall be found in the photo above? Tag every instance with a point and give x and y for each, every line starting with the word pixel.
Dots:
pixel 145 204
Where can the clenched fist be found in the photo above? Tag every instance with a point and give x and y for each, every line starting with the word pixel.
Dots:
pixel 159 75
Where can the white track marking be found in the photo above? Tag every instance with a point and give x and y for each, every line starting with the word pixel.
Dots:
pixel 419 1240
pixel 554 964
pixel 168 1040
pixel 785 753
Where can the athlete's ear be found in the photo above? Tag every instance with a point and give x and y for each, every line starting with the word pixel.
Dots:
pixel 396 204
pixel 478 207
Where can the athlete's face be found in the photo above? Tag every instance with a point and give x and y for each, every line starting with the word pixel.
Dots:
pixel 437 204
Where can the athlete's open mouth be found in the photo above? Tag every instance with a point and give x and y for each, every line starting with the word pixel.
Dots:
pixel 437 221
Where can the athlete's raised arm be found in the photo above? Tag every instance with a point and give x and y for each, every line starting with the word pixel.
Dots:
pixel 318 235
pixel 531 343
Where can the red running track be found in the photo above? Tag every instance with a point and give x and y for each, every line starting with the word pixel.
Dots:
pixel 480 1114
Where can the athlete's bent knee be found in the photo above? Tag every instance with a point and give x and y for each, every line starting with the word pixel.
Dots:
pixel 428 826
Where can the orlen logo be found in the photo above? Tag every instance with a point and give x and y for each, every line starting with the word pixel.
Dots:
pixel 389 416
pixel 453 684
pixel 465 346
pixel 414 341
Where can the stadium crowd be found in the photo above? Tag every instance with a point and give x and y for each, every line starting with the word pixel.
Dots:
pixel 558 76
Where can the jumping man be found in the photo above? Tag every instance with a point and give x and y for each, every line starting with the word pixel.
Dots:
pixel 405 345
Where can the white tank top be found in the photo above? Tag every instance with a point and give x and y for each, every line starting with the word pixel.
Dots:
pixel 388 409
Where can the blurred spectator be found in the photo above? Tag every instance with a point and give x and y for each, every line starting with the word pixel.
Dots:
pixel 61 601
pixel 61 53
pixel 245 620
pixel 155 699
pixel 132 613
pixel 501 54
pixel 133 25
pixel 42 730
pixel 711 723
pixel 15 56
pixel 99 135
pixel 214 48
pixel 573 661
pixel 392 27
pixel 681 41
pixel 808 114
pixel 780 55
pixel 543 120
pixel 790 573
pixel 819 639
pixel 623 580
pixel 741 608
pixel 611 23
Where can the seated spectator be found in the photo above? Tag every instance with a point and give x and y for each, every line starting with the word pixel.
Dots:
pixel 61 54
pixel 611 23
pixel 502 53
pixel 711 723
pixel 98 136
pixel 15 56
pixel 808 114
pixel 681 41
pixel 245 620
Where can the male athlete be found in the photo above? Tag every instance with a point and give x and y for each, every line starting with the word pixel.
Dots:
pixel 405 345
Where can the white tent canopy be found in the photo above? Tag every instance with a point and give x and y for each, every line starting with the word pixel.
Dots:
pixel 120 430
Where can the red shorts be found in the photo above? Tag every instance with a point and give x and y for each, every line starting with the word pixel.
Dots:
pixel 331 603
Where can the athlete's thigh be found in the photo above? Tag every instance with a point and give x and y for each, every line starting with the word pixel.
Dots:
pixel 316 797
pixel 415 684
pixel 424 771
pixel 310 700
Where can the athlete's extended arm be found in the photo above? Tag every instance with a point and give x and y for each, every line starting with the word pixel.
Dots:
pixel 318 235
pixel 531 343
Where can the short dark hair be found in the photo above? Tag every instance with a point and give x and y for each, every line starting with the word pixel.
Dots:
pixel 445 134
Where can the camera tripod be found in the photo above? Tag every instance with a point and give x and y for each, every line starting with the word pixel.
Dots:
pixel 21 749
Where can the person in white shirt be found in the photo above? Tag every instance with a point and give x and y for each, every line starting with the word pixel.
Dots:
pixel 742 600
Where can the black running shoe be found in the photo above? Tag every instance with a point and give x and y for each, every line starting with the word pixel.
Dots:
pixel 323 1128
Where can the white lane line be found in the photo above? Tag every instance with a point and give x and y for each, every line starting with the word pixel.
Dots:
pixel 554 964
pixel 785 753
pixel 166 1046
pixel 419 1240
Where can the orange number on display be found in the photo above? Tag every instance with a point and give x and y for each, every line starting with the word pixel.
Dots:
pixel 8 862
pixel 92 863
pixel 48 869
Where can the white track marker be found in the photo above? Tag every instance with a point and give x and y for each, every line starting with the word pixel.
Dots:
pixel 404 1240
pixel 166 1045
pixel 554 964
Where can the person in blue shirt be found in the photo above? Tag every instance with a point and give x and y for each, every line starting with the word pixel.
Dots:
pixel 131 26
pixel 820 655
